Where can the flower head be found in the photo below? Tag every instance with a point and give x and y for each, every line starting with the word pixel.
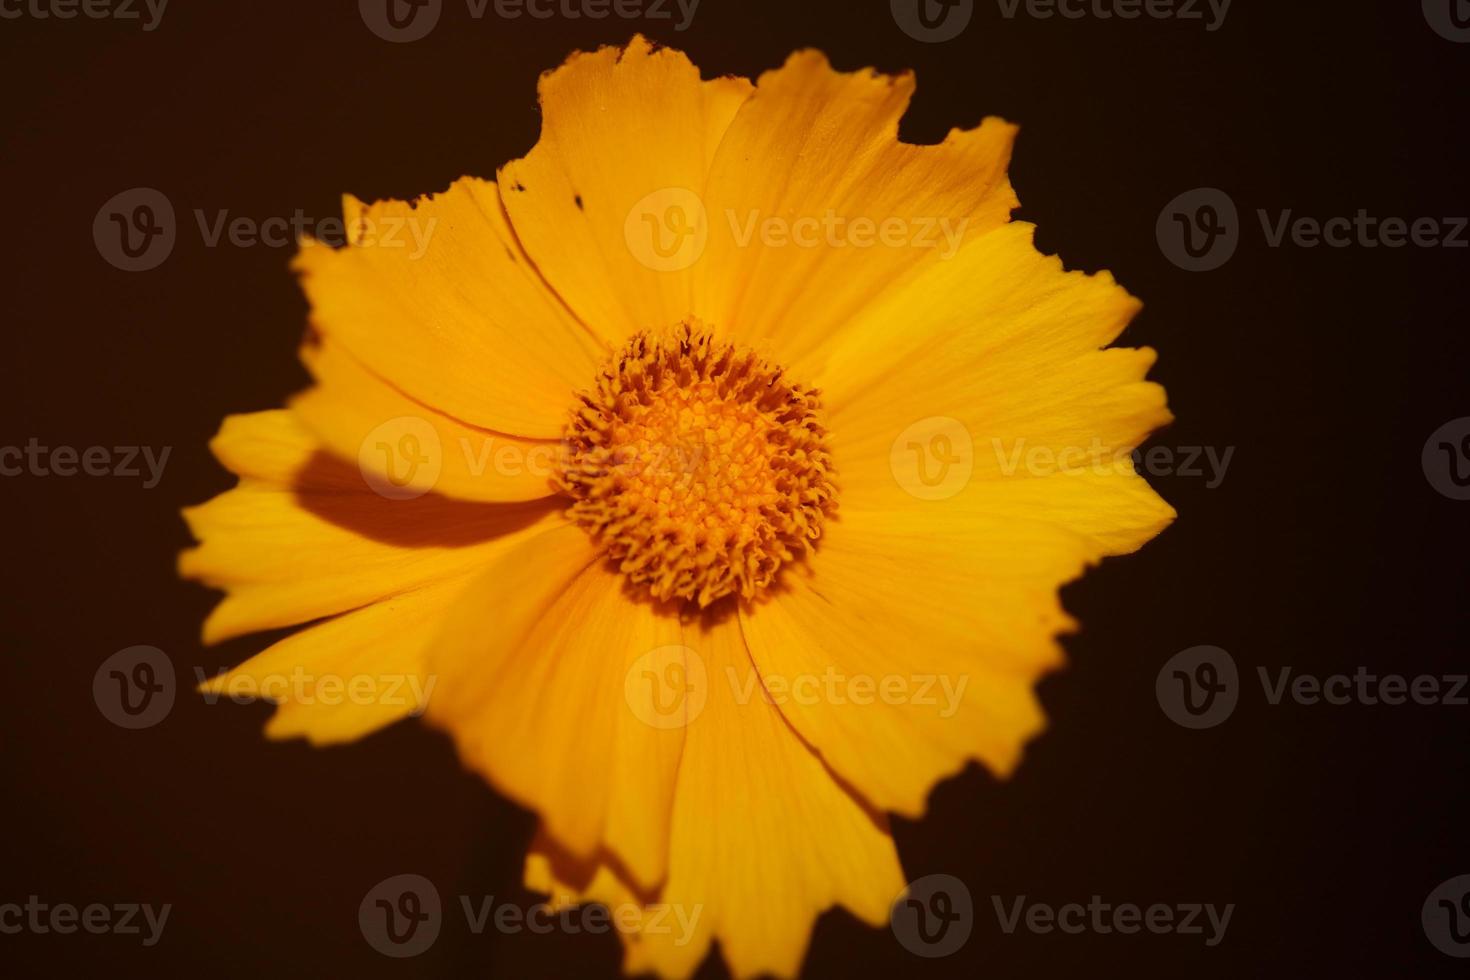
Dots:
pixel 693 465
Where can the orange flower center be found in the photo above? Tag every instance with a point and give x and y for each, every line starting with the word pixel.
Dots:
pixel 698 466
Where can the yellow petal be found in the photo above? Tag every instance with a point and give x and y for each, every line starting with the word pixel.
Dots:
pixel 533 663
pixel 995 399
pixel 1007 345
pixel 763 837
pixel 349 675
pixel 405 448
pixel 301 537
pixel 626 132
pixel 815 145
pixel 939 576
pixel 436 297
pixel 911 646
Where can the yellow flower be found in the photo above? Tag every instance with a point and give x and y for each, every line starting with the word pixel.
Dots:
pixel 712 473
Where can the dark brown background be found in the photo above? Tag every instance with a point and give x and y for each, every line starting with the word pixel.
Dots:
pixel 1324 548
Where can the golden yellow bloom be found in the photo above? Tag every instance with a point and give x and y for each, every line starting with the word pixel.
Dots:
pixel 676 461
